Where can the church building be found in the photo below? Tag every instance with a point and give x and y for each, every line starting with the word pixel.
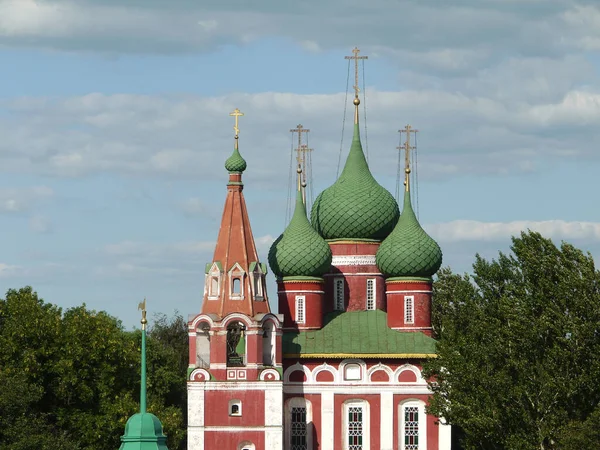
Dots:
pixel 339 366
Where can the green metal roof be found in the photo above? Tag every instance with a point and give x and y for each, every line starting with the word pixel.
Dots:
pixel 409 251
pixel 235 163
pixel 300 250
pixel 355 206
pixel 361 334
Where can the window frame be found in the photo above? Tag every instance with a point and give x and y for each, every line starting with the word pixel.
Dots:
pixel 300 309
pixel 364 404
pixel 339 303
pixel 298 402
pixel 421 424
pixel 409 309
pixel 371 303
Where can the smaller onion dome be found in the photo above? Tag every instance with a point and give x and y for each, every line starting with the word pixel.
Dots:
pixel 409 251
pixel 235 163
pixel 300 251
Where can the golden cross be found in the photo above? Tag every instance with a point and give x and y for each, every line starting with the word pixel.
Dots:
pixel 407 148
pixel 355 57
pixel 236 113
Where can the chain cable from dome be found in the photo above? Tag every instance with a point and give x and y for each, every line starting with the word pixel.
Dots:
pixel 416 177
pixel 399 169
pixel 337 172
pixel 288 209
pixel 365 110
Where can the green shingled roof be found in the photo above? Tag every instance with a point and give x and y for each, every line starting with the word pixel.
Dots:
pixel 360 333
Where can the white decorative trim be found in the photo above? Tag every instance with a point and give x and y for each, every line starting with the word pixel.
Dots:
pixel 383 367
pixel 236 272
pixel 409 307
pixel 386 423
pixel 326 368
pixel 327 419
pixel 214 366
pixel 412 328
pixel 236 316
pixel 264 373
pixel 270 317
pixel 238 386
pixel 236 429
pixel 197 371
pixel 413 369
pixel 300 309
pixel 348 274
pixel 444 436
pixel 300 367
pixel 353 260
pixel 298 291
pixel 200 318
pixel 409 292
pixel 342 389
pixel 342 370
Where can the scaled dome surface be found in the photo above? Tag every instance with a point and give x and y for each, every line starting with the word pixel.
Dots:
pixel 300 251
pixel 409 251
pixel 235 163
pixel 355 206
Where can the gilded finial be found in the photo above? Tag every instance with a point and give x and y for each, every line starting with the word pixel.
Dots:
pixel 236 114
pixel 356 100
pixel 142 307
pixel 407 148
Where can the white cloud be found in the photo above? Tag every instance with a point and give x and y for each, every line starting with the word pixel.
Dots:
pixel 472 230
pixel 40 224
pixel 160 135
pixel 18 200
pixel 10 271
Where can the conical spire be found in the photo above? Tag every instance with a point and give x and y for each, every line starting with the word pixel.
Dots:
pixel 143 430
pixel 355 206
pixel 408 251
pixel 235 279
pixel 300 251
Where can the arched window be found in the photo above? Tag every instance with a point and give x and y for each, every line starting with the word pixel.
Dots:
pixel 236 345
pixel 236 282
pixel 269 340
pixel 413 422
pixel 246 445
pixel 356 425
pixel 352 372
pixel 203 346
pixel 235 407
pixel 213 281
pixel 298 424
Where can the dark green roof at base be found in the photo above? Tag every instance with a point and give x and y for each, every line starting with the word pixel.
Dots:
pixel 357 332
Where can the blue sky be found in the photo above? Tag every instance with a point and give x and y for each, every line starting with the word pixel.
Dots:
pixel 115 126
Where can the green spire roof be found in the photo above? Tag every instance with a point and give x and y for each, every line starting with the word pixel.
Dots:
pixel 235 163
pixel 299 251
pixel 143 430
pixel 355 206
pixel 409 251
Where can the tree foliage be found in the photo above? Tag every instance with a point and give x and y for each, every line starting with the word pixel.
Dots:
pixel 71 380
pixel 519 348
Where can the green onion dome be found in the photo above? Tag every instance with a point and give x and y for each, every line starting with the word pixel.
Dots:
pixel 409 251
pixel 235 163
pixel 355 206
pixel 299 251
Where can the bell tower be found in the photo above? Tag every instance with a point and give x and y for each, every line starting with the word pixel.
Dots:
pixel 235 388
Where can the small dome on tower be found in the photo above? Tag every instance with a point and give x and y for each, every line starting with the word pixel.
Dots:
pixel 355 206
pixel 409 251
pixel 300 250
pixel 235 163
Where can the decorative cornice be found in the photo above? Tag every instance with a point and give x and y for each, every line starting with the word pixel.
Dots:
pixel 360 355
pixel 397 280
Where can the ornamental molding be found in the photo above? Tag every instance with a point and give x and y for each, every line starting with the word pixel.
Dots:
pixel 353 260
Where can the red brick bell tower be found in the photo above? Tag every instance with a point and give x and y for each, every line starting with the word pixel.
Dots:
pixel 234 376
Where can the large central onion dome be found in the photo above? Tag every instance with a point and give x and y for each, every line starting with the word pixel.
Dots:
pixel 299 251
pixel 355 206
pixel 409 251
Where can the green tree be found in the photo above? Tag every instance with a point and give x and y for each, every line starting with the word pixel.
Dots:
pixel 518 347
pixel 71 380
